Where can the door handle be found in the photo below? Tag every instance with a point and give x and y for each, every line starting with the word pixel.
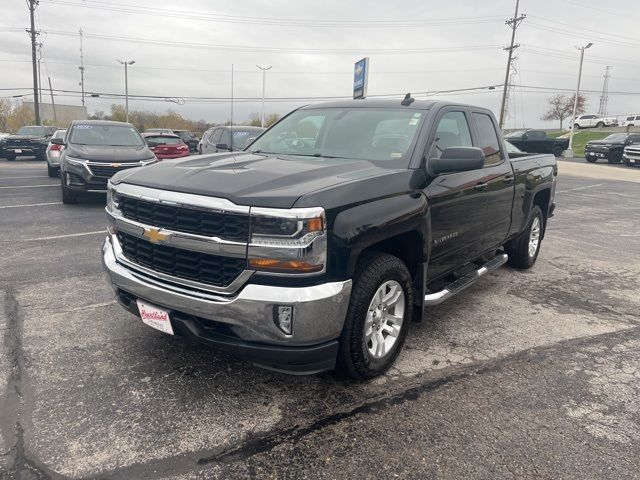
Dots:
pixel 480 186
pixel 508 179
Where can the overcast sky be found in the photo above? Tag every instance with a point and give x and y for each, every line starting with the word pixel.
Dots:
pixel 414 46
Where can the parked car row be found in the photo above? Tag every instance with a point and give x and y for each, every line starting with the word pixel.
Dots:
pixel 594 121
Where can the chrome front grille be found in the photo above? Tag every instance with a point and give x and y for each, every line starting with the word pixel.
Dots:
pixel 108 170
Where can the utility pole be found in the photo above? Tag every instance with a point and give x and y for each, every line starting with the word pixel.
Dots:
pixel 53 103
pixel 32 4
pixel 604 98
pixel 81 67
pixel 513 23
pixel 569 151
pixel 126 86
pixel 264 71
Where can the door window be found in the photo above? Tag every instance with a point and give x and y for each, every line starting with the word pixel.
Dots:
pixel 488 139
pixel 452 131
pixel 226 138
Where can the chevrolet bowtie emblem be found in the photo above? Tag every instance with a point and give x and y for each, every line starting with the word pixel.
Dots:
pixel 154 235
pixel 116 165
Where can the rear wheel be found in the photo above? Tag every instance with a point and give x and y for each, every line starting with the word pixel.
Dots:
pixel 576 126
pixel 557 151
pixel 51 171
pixel 523 250
pixel 378 317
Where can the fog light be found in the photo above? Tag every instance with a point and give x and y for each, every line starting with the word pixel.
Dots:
pixel 68 179
pixel 283 318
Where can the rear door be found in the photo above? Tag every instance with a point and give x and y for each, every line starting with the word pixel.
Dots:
pixel 497 179
pixel 209 146
pixel 457 205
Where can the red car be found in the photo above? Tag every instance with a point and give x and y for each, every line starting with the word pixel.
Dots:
pixel 166 146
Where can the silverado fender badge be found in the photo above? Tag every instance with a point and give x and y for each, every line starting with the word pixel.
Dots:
pixel 154 235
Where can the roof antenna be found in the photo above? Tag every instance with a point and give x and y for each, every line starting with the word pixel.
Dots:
pixel 407 100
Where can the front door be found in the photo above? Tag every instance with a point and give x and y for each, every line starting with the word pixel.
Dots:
pixel 457 204
pixel 498 177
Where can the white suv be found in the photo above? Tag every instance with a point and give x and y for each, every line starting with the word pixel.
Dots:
pixel 589 121
pixel 632 121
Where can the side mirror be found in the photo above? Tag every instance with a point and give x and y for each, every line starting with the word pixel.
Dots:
pixel 222 146
pixel 57 141
pixel 457 159
pixel 524 136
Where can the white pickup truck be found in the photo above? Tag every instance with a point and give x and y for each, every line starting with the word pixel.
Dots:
pixel 590 121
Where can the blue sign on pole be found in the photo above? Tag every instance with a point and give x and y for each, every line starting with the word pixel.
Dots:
pixel 360 78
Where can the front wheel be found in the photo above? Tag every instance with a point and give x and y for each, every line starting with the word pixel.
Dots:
pixel 592 159
pixel 378 317
pixel 68 195
pixel 523 250
pixel 557 151
pixel 600 125
pixel 10 156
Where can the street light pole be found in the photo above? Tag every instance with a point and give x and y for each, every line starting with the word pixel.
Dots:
pixel 569 151
pixel 264 70
pixel 126 86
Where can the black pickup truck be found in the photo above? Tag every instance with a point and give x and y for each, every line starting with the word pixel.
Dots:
pixel 537 141
pixel 29 141
pixel 314 247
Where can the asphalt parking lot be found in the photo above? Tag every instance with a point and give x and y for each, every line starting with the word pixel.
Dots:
pixel 526 374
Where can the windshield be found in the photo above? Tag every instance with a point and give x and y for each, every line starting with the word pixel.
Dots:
pixel 106 135
pixel 33 131
pixel 162 140
pixel 243 137
pixel 353 133
pixel 616 137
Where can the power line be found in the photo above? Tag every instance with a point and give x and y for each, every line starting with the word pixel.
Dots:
pixel 270 21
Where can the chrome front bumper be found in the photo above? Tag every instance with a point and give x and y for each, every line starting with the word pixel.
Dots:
pixel 319 311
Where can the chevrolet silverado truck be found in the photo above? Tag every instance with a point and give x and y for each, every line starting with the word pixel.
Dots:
pixel 29 141
pixel 315 247
pixel 610 148
pixel 537 141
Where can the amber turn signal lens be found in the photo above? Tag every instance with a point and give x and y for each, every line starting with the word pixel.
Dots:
pixel 283 266
pixel 315 224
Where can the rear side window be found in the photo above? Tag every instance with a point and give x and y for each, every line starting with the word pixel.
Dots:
pixel 638 117
pixel 488 139
pixel 226 138
pixel 536 135
pixel 215 136
pixel 452 131
pixel 629 118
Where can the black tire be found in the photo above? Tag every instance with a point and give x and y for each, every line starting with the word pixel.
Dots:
pixel 68 196
pixel 576 126
pixel 592 159
pixel 600 124
pixel 615 157
pixel 10 157
pixel 518 248
pixel 51 171
pixel 354 359
pixel 557 151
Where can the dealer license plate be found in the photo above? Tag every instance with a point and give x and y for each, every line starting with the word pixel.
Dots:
pixel 17 150
pixel 155 317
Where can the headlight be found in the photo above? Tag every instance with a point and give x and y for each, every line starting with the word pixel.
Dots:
pixel 112 199
pixel 75 161
pixel 288 241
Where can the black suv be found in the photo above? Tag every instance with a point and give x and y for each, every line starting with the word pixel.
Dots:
pixel 95 150
pixel 29 141
pixel 189 138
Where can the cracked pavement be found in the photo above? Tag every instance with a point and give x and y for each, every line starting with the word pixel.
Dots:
pixel 525 374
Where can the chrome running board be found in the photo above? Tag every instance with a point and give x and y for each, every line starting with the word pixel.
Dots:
pixel 465 281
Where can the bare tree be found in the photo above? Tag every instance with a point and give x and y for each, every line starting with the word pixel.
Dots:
pixel 561 107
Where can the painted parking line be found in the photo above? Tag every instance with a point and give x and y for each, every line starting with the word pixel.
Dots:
pixel 56 237
pixel 33 176
pixel 581 188
pixel 33 186
pixel 31 205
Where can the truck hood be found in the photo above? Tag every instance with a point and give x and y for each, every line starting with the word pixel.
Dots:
pixel 25 137
pixel 602 143
pixel 250 179
pixel 98 153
